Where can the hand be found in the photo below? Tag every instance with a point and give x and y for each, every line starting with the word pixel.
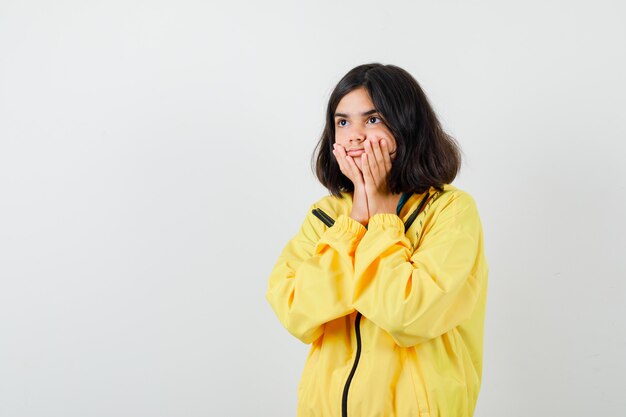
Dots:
pixel 376 165
pixel 349 168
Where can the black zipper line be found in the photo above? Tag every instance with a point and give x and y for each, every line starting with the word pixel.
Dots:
pixel 329 221
pixel 325 218
pixel 344 399
pixel 415 213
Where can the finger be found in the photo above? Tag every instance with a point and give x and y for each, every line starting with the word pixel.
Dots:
pixel 380 160
pixel 343 164
pixel 375 170
pixel 386 155
pixel 337 156
pixel 371 158
pixel 356 172
pixel 348 166
pixel 367 172
pixel 340 154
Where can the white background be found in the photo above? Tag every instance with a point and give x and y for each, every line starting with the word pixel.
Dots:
pixel 155 159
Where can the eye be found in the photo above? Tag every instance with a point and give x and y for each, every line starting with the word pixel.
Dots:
pixel 374 119
pixel 342 122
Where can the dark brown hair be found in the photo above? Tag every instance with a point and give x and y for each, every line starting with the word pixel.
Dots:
pixel 426 155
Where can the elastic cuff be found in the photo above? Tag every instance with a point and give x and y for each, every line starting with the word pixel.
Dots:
pixel 385 220
pixel 346 224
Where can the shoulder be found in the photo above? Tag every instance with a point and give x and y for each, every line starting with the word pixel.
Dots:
pixel 452 202
pixel 454 195
pixel 334 206
pixel 450 213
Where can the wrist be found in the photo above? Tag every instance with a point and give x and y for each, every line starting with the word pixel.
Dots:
pixel 378 210
pixel 363 221
pixel 387 204
pixel 359 217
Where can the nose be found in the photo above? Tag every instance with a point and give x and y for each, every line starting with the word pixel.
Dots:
pixel 357 135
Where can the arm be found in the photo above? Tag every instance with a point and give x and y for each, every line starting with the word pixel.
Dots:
pixel 311 283
pixel 421 295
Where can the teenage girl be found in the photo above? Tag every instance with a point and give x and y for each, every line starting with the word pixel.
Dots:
pixel 386 278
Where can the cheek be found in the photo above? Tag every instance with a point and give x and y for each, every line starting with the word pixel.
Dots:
pixel 340 134
pixel 391 142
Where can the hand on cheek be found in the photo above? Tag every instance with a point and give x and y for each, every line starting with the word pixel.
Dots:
pixel 376 162
pixel 348 166
pixel 376 165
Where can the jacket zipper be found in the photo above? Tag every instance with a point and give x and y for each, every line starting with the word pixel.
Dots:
pixel 344 400
pixel 325 218
pixel 329 221
pixel 415 213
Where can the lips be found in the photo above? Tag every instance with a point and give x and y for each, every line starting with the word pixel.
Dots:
pixel 355 152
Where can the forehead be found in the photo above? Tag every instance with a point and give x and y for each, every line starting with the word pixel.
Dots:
pixel 356 101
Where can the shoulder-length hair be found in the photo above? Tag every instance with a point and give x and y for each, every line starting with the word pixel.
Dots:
pixel 426 155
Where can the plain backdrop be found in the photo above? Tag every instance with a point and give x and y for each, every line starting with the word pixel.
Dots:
pixel 155 159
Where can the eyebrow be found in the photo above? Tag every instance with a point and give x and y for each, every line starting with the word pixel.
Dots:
pixel 367 113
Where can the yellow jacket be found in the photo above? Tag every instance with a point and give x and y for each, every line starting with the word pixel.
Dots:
pixel 395 319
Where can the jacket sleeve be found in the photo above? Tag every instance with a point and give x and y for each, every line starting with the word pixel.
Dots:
pixel 419 296
pixel 311 283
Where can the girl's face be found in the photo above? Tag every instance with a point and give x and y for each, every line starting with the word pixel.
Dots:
pixel 357 121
